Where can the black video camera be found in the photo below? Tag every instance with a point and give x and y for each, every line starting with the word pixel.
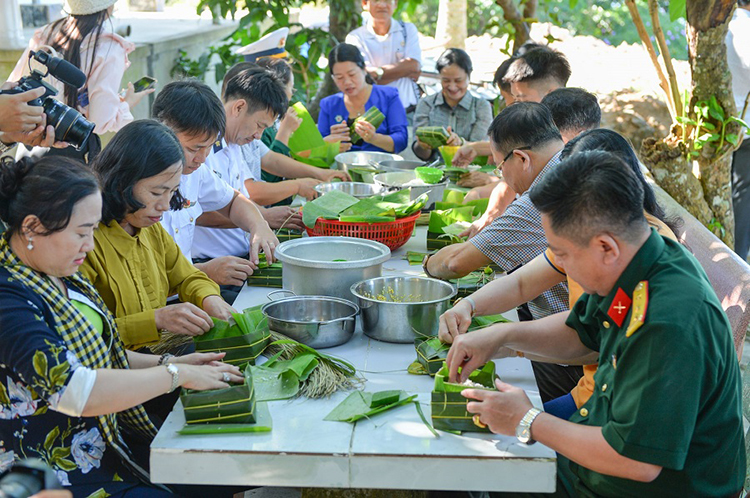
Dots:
pixel 26 478
pixel 70 126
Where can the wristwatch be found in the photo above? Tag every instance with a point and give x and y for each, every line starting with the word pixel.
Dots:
pixel 378 73
pixel 523 430
pixel 164 359
pixel 175 372
pixel 4 148
pixel 424 265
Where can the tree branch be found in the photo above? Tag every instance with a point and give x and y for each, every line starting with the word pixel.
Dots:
pixel 513 16
pixel 653 9
pixel 643 34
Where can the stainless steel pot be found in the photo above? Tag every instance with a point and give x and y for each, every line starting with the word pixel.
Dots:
pixel 367 159
pixel 395 180
pixel 328 266
pixel 400 309
pixel 405 165
pixel 318 321
pixel 357 189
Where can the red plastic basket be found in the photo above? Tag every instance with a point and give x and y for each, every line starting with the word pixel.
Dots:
pixel 394 234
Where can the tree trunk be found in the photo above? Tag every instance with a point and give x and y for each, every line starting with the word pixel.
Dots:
pixel 708 198
pixel 451 24
pixel 519 21
pixel 706 31
pixel 343 17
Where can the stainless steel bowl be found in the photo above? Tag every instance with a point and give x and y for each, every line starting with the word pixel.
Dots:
pixel 359 159
pixel 328 266
pixel 400 309
pixel 395 180
pixel 318 321
pixel 357 189
pixel 391 165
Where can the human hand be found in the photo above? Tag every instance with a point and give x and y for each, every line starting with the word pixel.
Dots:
pixel 365 130
pixel 199 359
pixel 53 493
pixel 455 321
pixel 464 156
pixel 453 140
pixel 205 377
pixel 216 307
pixel 41 136
pixel 16 115
pixel 501 411
pixel 345 146
pixel 262 239
pixel 476 226
pixel 339 131
pixel 475 179
pixel 306 187
pixel 290 123
pixel 228 270
pixel 423 145
pixel 327 175
pixel 471 351
pixel 133 98
pixel 284 217
pixel 472 195
pixel 183 319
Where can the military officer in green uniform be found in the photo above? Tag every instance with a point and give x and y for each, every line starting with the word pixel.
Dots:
pixel 665 417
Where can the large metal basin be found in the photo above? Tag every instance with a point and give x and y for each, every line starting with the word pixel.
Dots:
pixel 318 321
pixel 328 266
pixel 361 159
pixel 359 190
pixel 395 180
pixel 421 302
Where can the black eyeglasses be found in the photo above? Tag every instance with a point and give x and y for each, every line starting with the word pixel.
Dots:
pixel 498 171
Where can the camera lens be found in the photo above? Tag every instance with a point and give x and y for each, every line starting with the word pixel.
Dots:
pixel 70 125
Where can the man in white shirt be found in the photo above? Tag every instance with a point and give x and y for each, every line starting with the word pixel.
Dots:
pixel 738 58
pixel 391 50
pixel 196 115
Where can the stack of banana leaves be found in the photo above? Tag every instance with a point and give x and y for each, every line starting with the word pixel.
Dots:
pixel 242 341
pixel 266 275
pixel 372 116
pixel 431 351
pixel 449 407
pixel 338 205
pixel 434 136
pixel 451 217
pixel 474 281
pixel 231 405
pixel 363 174
pixel 284 234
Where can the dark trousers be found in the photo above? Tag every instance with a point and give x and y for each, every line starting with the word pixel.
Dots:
pixel 741 198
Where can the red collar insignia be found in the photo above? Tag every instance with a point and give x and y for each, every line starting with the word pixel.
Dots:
pixel 618 310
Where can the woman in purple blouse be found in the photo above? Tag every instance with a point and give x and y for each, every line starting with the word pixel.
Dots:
pixel 358 94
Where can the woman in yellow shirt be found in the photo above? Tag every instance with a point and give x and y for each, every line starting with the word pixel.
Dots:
pixel 135 264
pixel 542 272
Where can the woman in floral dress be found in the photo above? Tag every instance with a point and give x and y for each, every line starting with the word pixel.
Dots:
pixel 67 386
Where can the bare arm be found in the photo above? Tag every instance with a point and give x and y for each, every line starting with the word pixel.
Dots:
pixel 500 198
pixel 456 260
pixel 407 68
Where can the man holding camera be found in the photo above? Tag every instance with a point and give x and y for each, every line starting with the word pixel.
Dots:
pixel 21 122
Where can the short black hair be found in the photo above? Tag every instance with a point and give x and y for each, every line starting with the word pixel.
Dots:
pixel 454 56
pixel 590 193
pixel 502 70
pixel 234 71
pixel 191 107
pixel 539 63
pixel 614 143
pixel 523 124
pixel 48 189
pixel 261 90
pixel 141 149
pixel 278 67
pixel 573 109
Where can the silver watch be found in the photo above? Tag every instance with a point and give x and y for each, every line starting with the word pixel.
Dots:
pixel 523 430
pixel 175 372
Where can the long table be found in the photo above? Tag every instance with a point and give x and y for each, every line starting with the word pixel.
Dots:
pixel 393 450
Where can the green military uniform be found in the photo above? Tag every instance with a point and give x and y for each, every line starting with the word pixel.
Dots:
pixel 668 389
pixel 269 138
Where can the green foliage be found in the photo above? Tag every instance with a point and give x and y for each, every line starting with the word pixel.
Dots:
pixel 707 124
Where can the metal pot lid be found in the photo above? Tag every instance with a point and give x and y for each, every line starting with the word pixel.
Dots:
pixel 322 252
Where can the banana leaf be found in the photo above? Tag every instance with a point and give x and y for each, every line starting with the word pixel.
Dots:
pixel 480 205
pixel 415 257
pixel 414 206
pixel 284 234
pixel 402 196
pixel 454 196
pixel 306 136
pixel 480 322
pixel 440 219
pixel 447 152
pixel 280 379
pixel 328 206
pixel 242 341
pixel 322 156
pixel 474 281
pixel 434 136
pixel 234 404
pixel 431 353
pixel 454 174
pixel 358 405
pixel 263 423
pixel 372 116
pixel 436 241
pixel 449 407
pixel 367 218
pixel 364 175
